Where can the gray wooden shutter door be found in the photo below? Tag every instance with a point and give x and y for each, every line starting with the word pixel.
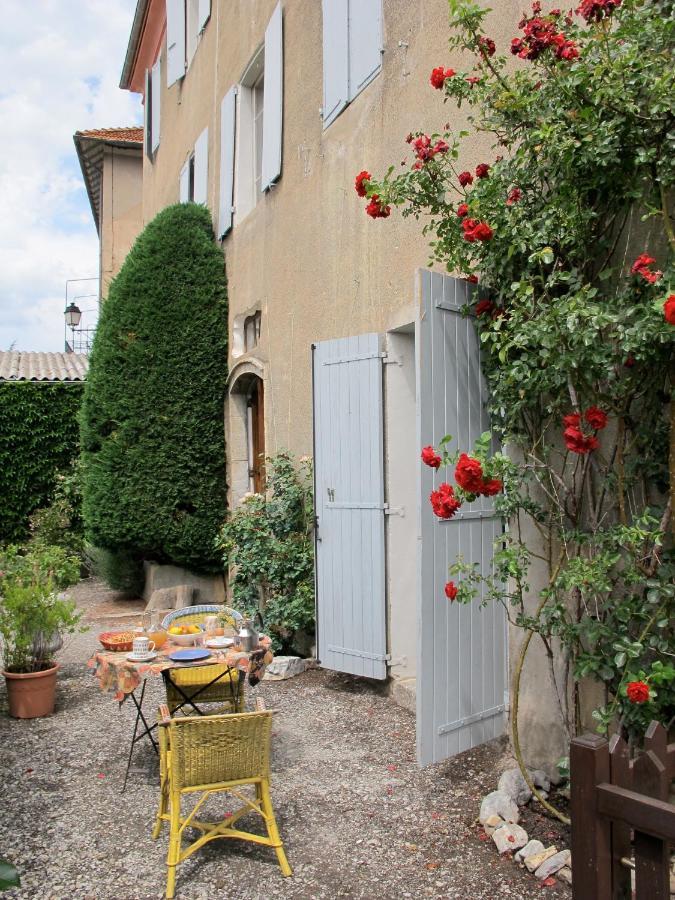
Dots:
pixel 203 13
pixel 349 503
pixel 201 168
pixel 462 663
pixel 335 58
pixel 175 41
pixel 147 114
pixel 227 129
pixel 365 43
pixel 273 100
pixel 156 91
pixel 184 183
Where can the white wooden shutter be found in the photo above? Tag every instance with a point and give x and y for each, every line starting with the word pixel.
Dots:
pixel 462 661
pixel 273 101
pixel 200 194
pixel 175 41
pixel 365 43
pixel 184 183
pixel 335 59
pixel 204 11
pixel 156 91
pixel 227 129
pixel 349 505
pixel 147 114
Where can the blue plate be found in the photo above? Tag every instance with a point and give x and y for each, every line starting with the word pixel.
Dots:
pixel 189 655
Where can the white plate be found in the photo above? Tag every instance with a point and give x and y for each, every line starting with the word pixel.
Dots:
pixel 145 658
pixel 220 643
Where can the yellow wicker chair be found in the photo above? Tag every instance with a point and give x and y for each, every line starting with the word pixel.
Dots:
pixel 210 755
pixel 228 690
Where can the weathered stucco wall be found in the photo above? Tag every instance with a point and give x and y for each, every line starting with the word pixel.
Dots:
pixel 121 210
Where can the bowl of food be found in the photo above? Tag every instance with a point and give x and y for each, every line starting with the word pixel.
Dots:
pixel 184 635
pixel 117 640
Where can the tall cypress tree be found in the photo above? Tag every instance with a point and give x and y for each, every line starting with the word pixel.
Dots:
pixel 152 420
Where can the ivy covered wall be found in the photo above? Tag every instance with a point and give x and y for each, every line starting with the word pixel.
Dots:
pixel 39 436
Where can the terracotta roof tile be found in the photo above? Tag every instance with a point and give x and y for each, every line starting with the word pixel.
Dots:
pixel 16 365
pixel 131 135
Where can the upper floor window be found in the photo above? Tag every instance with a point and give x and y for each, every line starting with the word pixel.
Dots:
pixel 153 87
pixel 193 180
pixel 185 22
pixel 352 51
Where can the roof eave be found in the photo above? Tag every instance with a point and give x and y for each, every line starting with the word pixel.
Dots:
pixel 133 46
pixel 78 140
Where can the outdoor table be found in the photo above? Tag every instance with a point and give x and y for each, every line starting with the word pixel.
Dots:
pixel 116 672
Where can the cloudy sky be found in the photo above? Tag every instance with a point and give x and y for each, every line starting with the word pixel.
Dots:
pixel 60 64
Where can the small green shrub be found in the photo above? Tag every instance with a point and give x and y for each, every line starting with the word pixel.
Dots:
pixel 268 545
pixel 38 563
pixel 122 571
pixel 152 422
pixel 60 523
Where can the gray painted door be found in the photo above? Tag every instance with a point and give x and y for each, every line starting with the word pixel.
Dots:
pixel 349 504
pixel 461 680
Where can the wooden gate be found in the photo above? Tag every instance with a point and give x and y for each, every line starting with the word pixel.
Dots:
pixel 349 504
pixel 461 668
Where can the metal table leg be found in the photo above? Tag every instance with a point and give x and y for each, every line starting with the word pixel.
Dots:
pixel 147 731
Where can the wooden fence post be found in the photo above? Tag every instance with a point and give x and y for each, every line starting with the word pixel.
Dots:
pixel 621 774
pixel 591 833
pixel 652 855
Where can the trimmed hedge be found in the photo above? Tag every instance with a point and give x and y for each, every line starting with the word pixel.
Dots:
pixel 39 437
pixel 152 422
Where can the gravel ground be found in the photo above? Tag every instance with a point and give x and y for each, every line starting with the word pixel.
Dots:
pixel 358 818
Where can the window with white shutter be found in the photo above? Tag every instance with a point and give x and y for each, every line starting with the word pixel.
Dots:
pixel 227 132
pixel 352 51
pixel 273 102
pixel 147 115
pixel 155 92
pixel 185 181
pixel 201 168
pixel 175 41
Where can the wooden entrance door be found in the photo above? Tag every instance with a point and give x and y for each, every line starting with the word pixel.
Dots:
pixel 256 436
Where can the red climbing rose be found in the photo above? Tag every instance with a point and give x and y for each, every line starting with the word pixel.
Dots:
pixel 637 691
pixel 491 486
pixel 514 196
pixel 465 178
pixel 641 267
pixel 476 231
pixel 451 590
pixel 430 457
pixel 360 183
pixel 469 474
pixel 571 420
pixel 669 310
pixel 376 210
pixel 596 10
pixel 578 442
pixel 482 170
pixel 444 502
pixel 438 76
pixel 486 45
pixel 484 308
pixel 462 210
pixel 595 417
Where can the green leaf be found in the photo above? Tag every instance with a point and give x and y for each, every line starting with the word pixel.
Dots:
pixel 9 877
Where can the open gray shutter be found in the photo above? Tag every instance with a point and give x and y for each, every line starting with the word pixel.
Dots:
pixel 201 167
pixel 273 101
pixel 227 127
pixel 365 43
pixel 175 40
pixel 204 11
pixel 462 662
pixel 184 183
pixel 335 59
pixel 156 91
pixel 147 114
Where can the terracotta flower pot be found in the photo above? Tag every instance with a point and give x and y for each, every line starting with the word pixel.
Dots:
pixel 31 694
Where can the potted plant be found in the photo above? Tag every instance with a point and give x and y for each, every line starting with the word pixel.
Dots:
pixel 33 617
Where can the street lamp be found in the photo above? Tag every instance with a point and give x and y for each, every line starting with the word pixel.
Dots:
pixel 73 315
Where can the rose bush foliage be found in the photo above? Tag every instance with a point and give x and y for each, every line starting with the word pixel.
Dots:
pixel 567 230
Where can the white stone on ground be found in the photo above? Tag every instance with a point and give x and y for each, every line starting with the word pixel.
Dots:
pixel 512 783
pixel 509 838
pixel 283 667
pixel 541 780
pixel 500 804
pixel 565 875
pixel 533 862
pixel 530 849
pixel 553 864
pixel 492 823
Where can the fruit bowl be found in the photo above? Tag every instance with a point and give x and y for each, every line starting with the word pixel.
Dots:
pixel 185 640
pixel 117 640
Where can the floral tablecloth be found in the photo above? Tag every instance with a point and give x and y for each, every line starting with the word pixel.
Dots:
pixel 115 672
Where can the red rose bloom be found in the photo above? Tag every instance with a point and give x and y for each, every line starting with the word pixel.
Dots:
pixel 444 502
pixel 669 310
pixel 438 76
pixel 629 362
pixel 637 691
pixel 375 209
pixel 472 279
pixel 540 34
pixel 469 474
pixel 487 46
pixel 595 417
pixel 431 458
pixel 441 147
pixel 641 267
pixel 462 210
pixel 476 231
pixel 572 420
pixel 596 10
pixel 491 486
pixel 465 178
pixel 472 80
pixel 484 308
pixel 451 590
pixel 482 170
pixel 514 196
pixel 578 442
pixel 359 183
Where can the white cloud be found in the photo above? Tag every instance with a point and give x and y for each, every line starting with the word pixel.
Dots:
pixel 60 65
